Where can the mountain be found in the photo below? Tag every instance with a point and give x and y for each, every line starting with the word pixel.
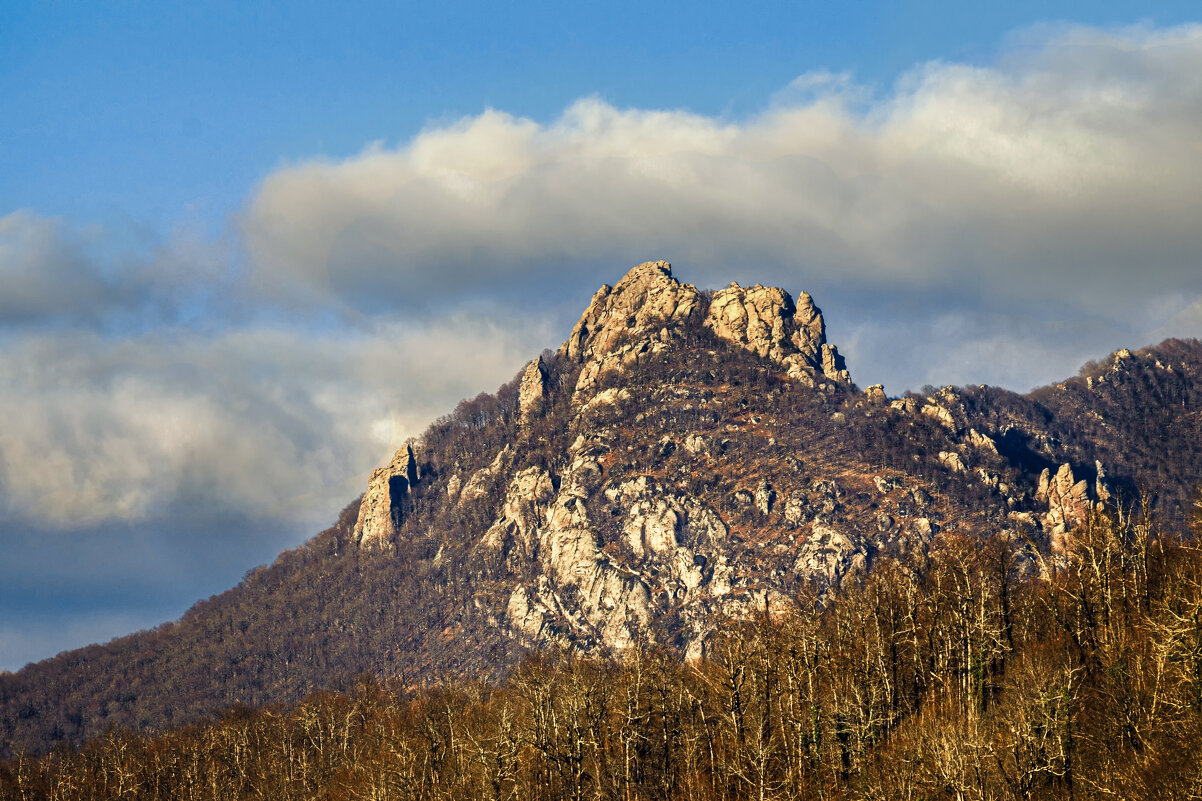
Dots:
pixel 684 458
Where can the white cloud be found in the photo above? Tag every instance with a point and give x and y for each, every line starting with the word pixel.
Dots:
pixel 977 224
pixel 1062 181
pixel 269 422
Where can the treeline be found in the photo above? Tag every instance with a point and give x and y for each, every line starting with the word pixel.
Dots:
pixel 974 681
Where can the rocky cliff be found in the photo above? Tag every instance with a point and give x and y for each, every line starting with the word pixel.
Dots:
pixel 695 482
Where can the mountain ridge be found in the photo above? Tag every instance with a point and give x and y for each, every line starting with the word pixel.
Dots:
pixel 683 457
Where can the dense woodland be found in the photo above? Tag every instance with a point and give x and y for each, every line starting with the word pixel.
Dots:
pixel 968 682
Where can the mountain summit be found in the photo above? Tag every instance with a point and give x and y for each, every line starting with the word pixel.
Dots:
pixel 609 554
pixel 684 458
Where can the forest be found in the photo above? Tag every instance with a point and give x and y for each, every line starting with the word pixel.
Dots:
pixel 967 679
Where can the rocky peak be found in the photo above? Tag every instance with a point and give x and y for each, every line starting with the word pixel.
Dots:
pixel 383 509
pixel 640 316
pixel 645 299
pixel 623 326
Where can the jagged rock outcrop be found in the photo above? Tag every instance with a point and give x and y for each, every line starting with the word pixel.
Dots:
pixel 557 531
pixel 553 530
pixel 639 317
pixel 625 323
pixel 941 414
pixel 981 442
pixel 830 555
pixel 645 298
pixel 532 391
pixel 765 321
pixel 596 540
pixel 952 461
pixel 1068 506
pixel 383 504
pixel 523 514
pixel 480 482
pixel 833 365
pixel 760 318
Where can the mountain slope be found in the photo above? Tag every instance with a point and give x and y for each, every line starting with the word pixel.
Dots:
pixel 684 456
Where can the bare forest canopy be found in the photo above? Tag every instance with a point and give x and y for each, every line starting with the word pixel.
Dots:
pixel 969 683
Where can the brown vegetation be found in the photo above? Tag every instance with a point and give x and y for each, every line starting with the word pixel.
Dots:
pixel 968 682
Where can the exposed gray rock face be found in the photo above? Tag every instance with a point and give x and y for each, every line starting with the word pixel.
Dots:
pixel 523 514
pixel 383 504
pixel 765 321
pixel 1068 506
pixel 941 414
pixel 479 483
pixel 643 300
pixel 553 524
pixel 981 442
pixel 612 401
pixel 554 530
pixel 761 319
pixel 952 461
pixel 833 366
pixel 830 555
pixel 626 323
pixel 640 315
pixel 532 392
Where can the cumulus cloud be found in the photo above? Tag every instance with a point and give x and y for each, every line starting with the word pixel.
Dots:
pixel 261 421
pixel 1060 183
pixel 61 276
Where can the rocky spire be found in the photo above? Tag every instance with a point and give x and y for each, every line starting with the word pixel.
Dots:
pixel 532 392
pixel 766 321
pixel 645 299
pixel 382 509
pixel 640 315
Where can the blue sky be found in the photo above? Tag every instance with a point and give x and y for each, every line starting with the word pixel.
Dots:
pixel 247 249
pixel 154 113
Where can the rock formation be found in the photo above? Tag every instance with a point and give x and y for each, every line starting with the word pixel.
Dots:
pixel 383 504
pixel 1068 506
pixel 532 391
pixel 591 543
pixel 640 316
pixel 765 321
pixel 626 323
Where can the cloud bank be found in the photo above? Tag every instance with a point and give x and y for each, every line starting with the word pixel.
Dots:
pixel 264 420
pixel 1059 184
